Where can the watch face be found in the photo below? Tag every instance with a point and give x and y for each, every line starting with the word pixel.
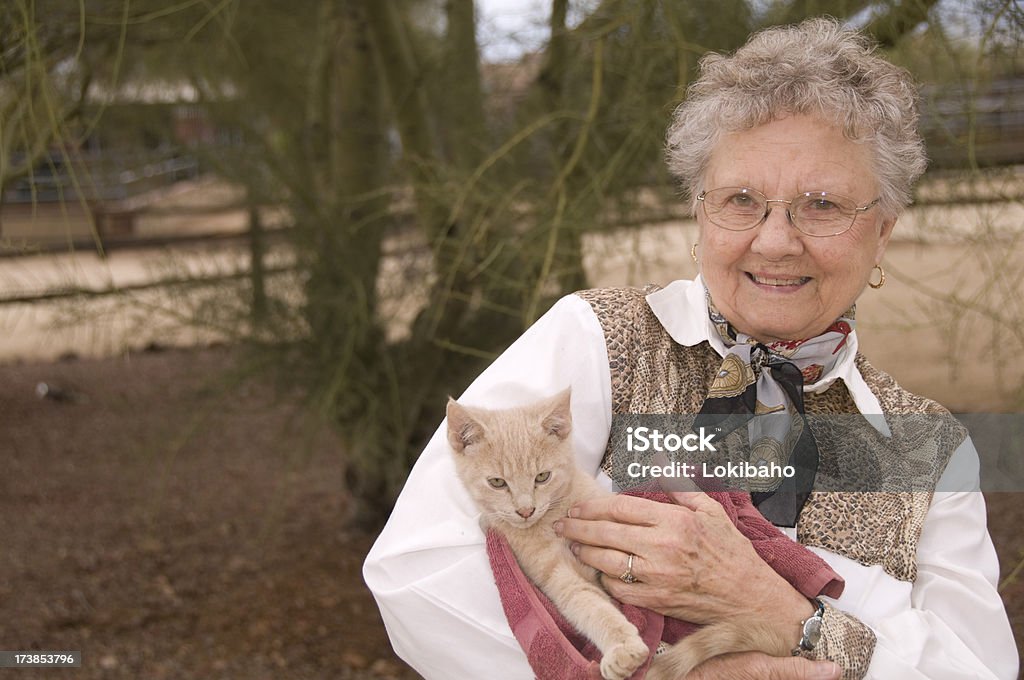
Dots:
pixel 812 632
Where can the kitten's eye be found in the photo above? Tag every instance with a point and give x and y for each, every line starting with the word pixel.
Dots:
pixel 543 477
pixel 497 482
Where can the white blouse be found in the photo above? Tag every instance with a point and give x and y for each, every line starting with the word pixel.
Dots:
pixel 432 580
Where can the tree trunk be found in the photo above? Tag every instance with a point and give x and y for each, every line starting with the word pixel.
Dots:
pixel 396 64
pixel 466 125
pixel 343 232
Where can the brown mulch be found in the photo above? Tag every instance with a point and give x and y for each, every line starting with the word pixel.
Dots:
pixel 169 522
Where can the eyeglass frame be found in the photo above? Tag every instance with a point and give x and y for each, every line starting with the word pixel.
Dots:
pixel 789 215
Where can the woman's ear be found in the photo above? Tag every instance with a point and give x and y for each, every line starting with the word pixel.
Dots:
pixel 884 235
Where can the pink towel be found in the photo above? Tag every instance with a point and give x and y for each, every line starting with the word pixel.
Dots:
pixel 556 651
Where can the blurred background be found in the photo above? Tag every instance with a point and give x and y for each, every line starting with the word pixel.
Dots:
pixel 248 248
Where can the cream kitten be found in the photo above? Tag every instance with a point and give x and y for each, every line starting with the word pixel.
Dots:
pixel 519 467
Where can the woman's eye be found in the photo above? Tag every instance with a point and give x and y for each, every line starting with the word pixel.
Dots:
pixel 543 477
pixel 496 482
pixel 741 203
pixel 823 205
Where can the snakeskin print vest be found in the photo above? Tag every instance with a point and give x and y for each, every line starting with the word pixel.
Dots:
pixel 651 373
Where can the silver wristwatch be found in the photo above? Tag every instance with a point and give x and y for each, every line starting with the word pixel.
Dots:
pixel 811 631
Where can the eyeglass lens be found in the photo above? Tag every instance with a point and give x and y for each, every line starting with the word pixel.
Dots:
pixel 818 213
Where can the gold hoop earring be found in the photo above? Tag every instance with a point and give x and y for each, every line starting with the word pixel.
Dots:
pixel 693 253
pixel 881 278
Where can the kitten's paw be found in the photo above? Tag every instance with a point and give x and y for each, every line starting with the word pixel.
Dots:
pixel 623 659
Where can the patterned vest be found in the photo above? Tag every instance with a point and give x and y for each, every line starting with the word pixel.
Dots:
pixel 651 373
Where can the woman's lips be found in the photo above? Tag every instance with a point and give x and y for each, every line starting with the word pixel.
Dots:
pixel 776 281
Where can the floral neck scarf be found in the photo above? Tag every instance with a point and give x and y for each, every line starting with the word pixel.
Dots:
pixel 761 386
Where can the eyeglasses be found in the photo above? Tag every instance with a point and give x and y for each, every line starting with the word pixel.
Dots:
pixel 815 213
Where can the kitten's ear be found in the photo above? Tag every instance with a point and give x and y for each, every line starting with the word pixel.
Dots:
pixel 463 429
pixel 558 420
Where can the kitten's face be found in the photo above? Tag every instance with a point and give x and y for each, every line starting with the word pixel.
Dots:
pixel 516 463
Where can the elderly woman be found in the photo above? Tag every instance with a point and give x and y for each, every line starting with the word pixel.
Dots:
pixel 799 152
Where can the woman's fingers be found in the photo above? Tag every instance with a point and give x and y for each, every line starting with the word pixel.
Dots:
pixel 619 508
pixel 614 563
pixel 643 511
pixel 637 594
pixel 625 538
pixel 624 523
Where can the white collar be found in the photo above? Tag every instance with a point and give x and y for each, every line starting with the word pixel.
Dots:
pixel 682 309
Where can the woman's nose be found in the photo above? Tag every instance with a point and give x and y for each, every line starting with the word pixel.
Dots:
pixel 777 238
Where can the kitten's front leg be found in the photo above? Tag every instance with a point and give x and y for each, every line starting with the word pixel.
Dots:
pixel 590 610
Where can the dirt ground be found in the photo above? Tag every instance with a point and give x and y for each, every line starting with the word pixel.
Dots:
pixel 169 521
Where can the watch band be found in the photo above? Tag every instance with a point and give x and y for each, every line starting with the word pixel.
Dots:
pixel 811 630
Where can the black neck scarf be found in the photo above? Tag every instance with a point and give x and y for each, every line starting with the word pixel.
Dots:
pixel 761 386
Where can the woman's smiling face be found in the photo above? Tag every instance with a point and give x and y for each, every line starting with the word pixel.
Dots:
pixel 773 282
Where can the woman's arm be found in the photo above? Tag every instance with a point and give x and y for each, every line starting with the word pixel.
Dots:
pixel 950 621
pixel 954 624
pixel 428 569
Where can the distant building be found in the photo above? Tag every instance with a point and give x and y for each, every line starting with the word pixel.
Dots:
pixel 979 122
pixel 148 137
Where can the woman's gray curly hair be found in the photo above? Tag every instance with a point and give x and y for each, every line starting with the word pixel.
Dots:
pixel 816 68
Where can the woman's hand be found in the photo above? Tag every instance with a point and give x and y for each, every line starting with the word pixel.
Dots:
pixel 758 666
pixel 691 562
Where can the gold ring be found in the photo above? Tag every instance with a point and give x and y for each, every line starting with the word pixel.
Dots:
pixel 627 576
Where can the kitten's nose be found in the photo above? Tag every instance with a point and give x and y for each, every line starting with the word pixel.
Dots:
pixel 525 513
